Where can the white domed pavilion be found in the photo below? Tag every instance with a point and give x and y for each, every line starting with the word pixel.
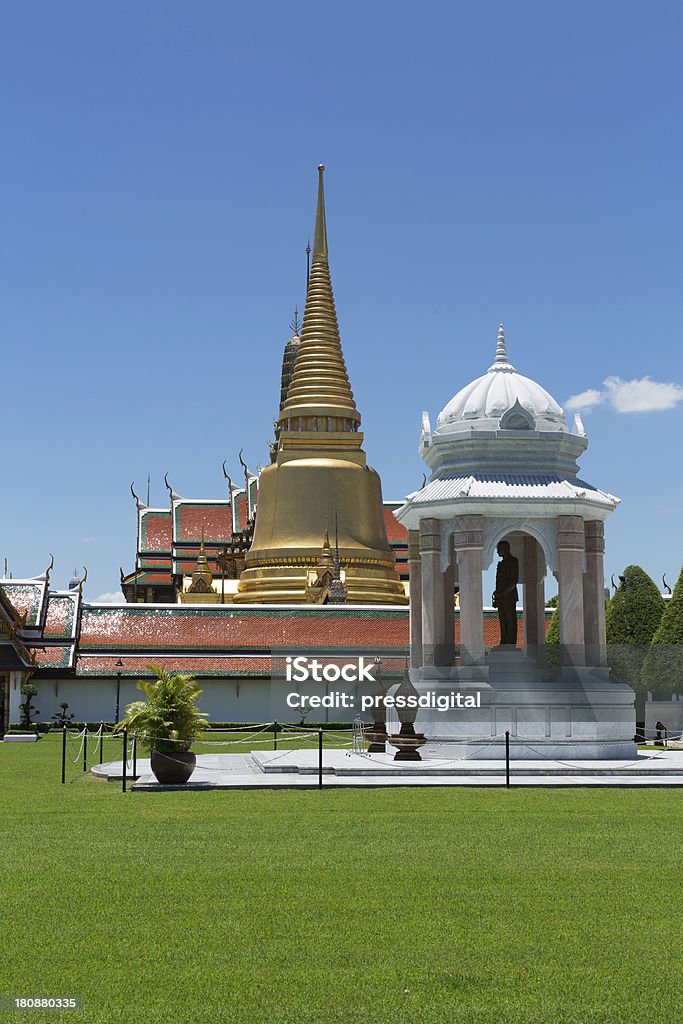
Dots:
pixel 504 467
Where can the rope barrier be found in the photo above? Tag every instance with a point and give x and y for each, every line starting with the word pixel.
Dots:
pixel 580 767
pixel 80 742
pixel 72 738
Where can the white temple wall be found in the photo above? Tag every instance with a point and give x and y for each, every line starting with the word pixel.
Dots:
pixel 225 700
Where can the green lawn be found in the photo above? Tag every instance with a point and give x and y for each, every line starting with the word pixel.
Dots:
pixel 409 906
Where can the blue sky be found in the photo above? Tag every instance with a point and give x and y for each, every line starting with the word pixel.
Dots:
pixel 486 162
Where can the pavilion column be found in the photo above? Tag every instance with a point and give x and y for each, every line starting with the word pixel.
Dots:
pixel 594 593
pixel 533 599
pixel 571 552
pixel 469 541
pixel 449 606
pixel 415 565
pixel 433 614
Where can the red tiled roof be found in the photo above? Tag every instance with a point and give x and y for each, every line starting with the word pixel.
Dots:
pixel 221 627
pixel 214 520
pixel 147 578
pixel 61 620
pixel 396 532
pixel 156 563
pixel 53 657
pixel 26 596
pixel 156 531
pixel 242 510
pixel 152 628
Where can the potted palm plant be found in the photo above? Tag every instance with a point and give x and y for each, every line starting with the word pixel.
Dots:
pixel 167 722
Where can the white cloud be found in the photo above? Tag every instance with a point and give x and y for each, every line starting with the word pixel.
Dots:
pixel 585 399
pixel 114 598
pixel 640 395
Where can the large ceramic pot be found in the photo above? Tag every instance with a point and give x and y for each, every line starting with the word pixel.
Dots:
pixel 173 769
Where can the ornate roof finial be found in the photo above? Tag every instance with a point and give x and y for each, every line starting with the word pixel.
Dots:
pixel 171 493
pixel 231 486
pixel 139 504
pixel 501 350
pixel 294 325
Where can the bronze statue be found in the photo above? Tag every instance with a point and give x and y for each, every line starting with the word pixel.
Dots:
pixel 505 595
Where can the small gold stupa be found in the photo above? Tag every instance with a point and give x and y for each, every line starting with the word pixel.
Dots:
pixel 319 474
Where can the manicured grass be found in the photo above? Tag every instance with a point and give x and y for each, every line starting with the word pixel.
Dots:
pixel 418 906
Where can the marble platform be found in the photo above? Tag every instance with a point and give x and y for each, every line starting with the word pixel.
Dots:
pixel 556 713
pixel 299 769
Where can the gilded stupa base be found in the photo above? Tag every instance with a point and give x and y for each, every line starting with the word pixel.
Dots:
pixel 287 584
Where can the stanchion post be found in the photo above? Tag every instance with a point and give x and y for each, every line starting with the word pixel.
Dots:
pixel 275 734
pixel 320 759
pixel 85 747
pixel 101 740
pixel 63 754
pixel 135 756
pixel 507 758
pixel 125 760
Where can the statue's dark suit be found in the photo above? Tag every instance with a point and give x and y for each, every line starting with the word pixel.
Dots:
pixel 505 598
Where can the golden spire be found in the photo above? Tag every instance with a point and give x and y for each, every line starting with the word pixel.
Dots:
pixel 326 560
pixel 202 569
pixel 319 398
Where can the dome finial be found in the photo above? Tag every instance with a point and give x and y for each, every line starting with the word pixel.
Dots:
pixel 501 350
pixel 501 363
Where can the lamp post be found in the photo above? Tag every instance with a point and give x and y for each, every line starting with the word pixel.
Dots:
pixel 119 666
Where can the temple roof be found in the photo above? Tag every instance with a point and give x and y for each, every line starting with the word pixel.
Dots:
pixel 218 641
pixel 512 485
pixel 42 624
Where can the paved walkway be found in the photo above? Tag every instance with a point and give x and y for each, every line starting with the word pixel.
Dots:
pixel 299 769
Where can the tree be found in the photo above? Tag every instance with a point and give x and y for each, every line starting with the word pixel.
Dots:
pixel 663 668
pixel 28 691
pixel 63 717
pixel 632 617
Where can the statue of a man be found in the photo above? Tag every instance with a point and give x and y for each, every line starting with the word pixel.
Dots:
pixel 505 594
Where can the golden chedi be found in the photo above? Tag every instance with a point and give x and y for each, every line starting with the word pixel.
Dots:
pixel 319 474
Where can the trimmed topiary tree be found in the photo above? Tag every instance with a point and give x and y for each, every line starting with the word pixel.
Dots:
pixel 632 617
pixel 663 667
pixel 27 708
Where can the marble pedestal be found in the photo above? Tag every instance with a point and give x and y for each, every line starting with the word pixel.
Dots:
pixel 570 712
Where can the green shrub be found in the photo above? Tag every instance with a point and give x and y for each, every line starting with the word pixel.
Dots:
pixel 663 667
pixel 633 615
